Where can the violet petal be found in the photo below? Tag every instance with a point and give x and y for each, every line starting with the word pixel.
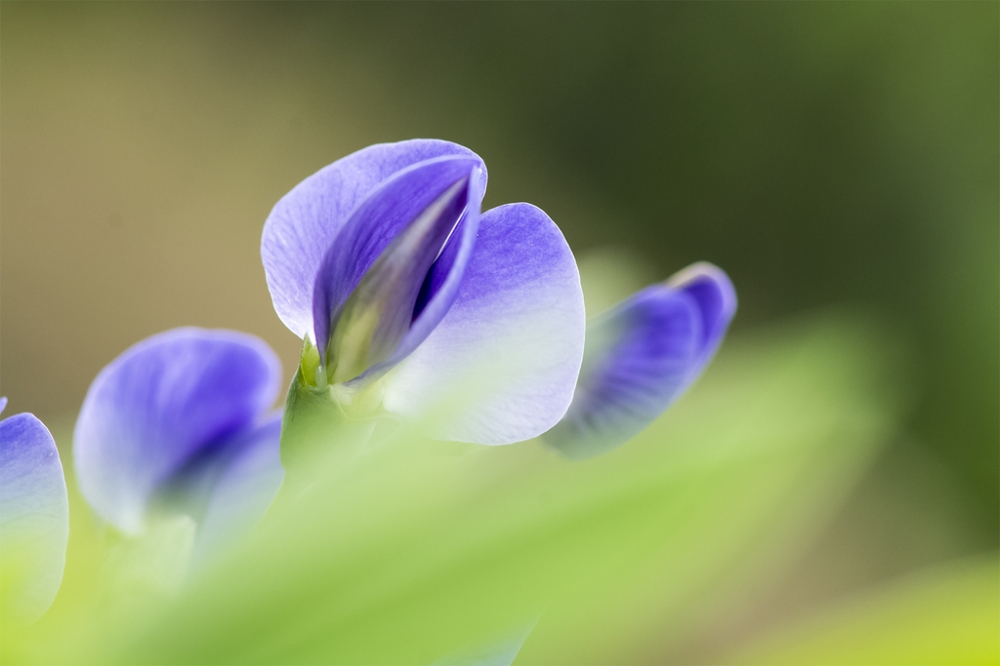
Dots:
pixel 509 348
pixel 34 517
pixel 374 225
pixel 379 311
pixel 642 356
pixel 303 224
pixel 162 403
pixel 244 488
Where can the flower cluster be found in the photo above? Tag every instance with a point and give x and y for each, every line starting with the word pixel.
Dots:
pixel 402 289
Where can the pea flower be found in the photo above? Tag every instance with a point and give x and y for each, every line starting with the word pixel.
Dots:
pixel 180 425
pixel 34 517
pixel 385 265
pixel 641 356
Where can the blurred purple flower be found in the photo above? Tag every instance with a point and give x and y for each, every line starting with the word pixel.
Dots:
pixel 181 423
pixel 384 263
pixel 34 517
pixel 641 356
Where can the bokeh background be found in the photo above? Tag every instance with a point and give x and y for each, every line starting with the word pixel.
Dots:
pixel 825 154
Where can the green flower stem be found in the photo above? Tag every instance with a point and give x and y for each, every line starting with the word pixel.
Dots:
pixel 319 415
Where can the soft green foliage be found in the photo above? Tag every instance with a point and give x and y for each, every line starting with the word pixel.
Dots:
pixel 155 563
pixel 945 616
pixel 408 550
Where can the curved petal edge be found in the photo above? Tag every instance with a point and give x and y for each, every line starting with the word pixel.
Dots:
pixel 163 403
pixel 34 518
pixel 501 365
pixel 244 489
pixel 302 226
pixel 642 356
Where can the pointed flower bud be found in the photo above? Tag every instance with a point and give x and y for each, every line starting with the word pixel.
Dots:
pixel 641 356
pixel 381 308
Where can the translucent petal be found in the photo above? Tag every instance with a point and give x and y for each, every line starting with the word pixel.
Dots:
pixel 504 359
pixel 34 517
pixel 165 402
pixel 303 224
pixel 642 356
pixel 244 488
pixel 378 230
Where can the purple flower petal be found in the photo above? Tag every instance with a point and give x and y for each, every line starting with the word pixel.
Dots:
pixel 441 285
pixel 379 311
pixel 511 344
pixel 388 246
pixel 715 297
pixel 371 279
pixel 244 488
pixel 34 517
pixel 227 487
pixel 642 356
pixel 161 404
pixel 638 360
pixel 303 224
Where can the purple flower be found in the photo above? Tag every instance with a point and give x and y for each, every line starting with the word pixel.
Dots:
pixel 181 423
pixel 401 287
pixel 34 517
pixel 641 356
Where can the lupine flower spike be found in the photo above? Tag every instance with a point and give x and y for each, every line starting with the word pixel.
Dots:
pixel 34 518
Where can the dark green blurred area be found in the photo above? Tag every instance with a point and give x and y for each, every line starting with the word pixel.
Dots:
pixel 822 153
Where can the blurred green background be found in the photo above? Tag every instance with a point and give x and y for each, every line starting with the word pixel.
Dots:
pixel 824 154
